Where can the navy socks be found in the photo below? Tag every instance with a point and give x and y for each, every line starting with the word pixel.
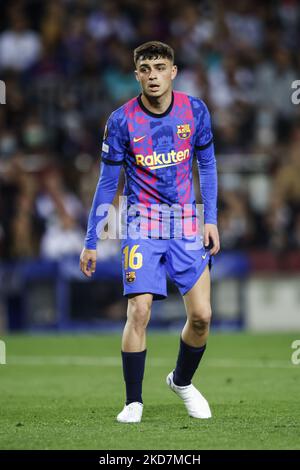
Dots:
pixel 133 370
pixel 187 363
pixel 134 366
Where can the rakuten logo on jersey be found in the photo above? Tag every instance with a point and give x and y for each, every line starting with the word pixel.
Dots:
pixel 160 160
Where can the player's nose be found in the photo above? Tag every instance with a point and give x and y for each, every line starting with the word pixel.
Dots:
pixel 152 75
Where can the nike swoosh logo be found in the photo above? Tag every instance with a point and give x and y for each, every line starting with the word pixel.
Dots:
pixel 204 256
pixel 137 139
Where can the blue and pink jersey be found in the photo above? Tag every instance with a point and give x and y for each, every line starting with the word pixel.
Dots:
pixel 157 151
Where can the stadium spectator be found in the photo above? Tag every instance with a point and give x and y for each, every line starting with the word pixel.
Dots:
pixel 20 47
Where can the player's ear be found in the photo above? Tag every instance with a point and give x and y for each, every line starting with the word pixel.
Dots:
pixel 174 72
pixel 136 75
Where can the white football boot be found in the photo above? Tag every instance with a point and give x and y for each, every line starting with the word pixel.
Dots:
pixel 131 413
pixel 195 403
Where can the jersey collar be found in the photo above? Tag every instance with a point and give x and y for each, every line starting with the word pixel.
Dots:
pixel 157 115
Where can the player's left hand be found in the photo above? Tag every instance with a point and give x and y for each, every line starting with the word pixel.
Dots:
pixel 211 234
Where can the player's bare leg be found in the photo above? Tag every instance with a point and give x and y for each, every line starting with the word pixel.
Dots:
pixel 134 355
pixel 138 316
pixel 198 311
pixel 192 346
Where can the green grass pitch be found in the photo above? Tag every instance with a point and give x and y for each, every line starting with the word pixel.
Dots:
pixel 64 392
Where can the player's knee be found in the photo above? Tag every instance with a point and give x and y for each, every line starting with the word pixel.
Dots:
pixel 138 313
pixel 200 318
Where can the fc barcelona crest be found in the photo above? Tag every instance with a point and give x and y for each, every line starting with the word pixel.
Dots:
pixel 183 131
pixel 130 276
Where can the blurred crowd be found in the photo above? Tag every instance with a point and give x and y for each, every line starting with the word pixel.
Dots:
pixel 67 64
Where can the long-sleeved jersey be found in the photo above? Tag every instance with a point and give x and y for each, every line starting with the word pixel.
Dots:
pixel 156 151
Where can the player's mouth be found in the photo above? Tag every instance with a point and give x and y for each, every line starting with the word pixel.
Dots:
pixel 154 87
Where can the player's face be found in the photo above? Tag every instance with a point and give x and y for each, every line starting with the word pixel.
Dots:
pixel 155 76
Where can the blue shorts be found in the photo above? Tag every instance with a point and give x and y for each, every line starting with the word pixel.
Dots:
pixel 146 263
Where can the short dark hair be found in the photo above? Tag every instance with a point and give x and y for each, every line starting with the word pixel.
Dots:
pixel 153 50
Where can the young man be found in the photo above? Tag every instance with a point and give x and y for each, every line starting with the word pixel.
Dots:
pixel 155 137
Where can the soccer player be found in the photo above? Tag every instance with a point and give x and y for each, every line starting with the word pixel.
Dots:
pixel 154 137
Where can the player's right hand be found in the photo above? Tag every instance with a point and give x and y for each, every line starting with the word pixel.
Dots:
pixel 88 261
